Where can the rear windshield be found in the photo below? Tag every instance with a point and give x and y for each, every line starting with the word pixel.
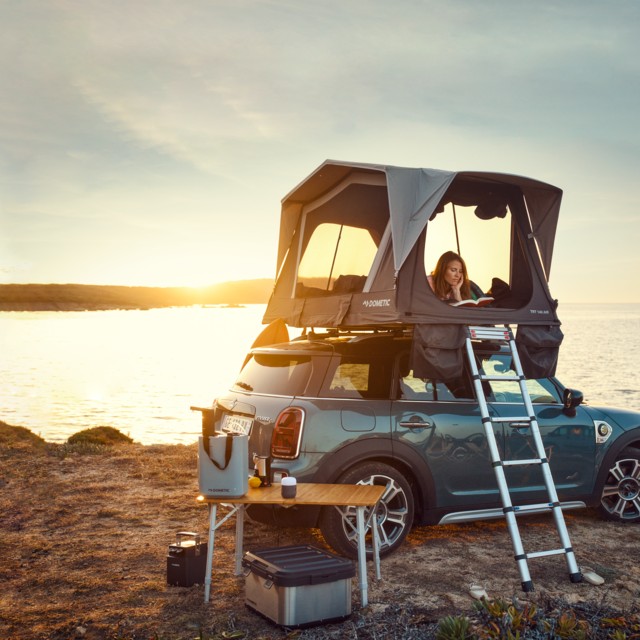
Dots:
pixel 281 375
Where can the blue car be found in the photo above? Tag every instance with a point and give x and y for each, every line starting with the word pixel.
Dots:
pixel 344 407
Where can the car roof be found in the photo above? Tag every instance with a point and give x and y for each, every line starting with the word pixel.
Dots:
pixel 358 344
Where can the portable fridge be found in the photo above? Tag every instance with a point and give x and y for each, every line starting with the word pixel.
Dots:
pixel 298 586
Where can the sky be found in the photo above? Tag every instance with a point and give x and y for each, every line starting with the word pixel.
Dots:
pixel 149 142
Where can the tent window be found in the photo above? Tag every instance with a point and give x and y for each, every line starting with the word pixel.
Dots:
pixel 485 245
pixel 337 260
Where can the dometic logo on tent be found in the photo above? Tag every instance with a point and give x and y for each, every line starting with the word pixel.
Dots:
pixel 538 311
pixel 377 303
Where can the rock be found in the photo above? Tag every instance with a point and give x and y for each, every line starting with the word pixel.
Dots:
pixel 572 598
pixel 377 608
pixel 81 632
pixel 456 600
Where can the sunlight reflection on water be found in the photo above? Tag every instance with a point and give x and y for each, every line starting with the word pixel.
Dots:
pixel 140 371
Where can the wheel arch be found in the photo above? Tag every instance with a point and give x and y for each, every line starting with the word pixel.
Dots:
pixel 396 455
pixel 628 439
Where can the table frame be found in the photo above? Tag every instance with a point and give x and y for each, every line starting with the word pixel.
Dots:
pixel 239 506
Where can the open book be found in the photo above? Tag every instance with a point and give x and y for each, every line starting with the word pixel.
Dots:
pixel 480 302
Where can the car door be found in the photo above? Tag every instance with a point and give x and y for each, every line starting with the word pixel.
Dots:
pixel 569 443
pixel 353 404
pixel 442 423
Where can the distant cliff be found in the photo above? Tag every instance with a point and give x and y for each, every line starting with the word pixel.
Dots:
pixel 79 297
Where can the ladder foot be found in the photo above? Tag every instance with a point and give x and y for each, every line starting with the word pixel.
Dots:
pixel 575 577
pixel 527 586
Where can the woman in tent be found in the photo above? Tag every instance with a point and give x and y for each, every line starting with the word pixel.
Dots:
pixel 449 280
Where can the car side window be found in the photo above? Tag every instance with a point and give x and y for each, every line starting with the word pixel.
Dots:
pixel 353 377
pixel 412 388
pixel 541 391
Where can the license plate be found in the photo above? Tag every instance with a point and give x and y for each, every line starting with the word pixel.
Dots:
pixel 237 424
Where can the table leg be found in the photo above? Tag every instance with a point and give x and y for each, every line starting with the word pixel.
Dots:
pixel 213 509
pixel 376 544
pixel 362 557
pixel 239 532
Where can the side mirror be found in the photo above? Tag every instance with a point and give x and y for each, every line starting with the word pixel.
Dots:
pixel 570 400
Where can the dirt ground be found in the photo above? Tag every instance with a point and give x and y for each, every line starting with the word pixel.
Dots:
pixel 84 533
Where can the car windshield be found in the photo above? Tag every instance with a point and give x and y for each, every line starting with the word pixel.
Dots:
pixel 283 375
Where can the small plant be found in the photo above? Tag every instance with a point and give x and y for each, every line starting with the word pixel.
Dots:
pixel 495 609
pixel 100 435
pixel 454 628
pixel 568 627
pixel 81 448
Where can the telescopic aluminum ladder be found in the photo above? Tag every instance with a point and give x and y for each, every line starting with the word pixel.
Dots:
pixel 503 336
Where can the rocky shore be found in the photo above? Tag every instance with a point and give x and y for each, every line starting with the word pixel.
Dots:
pixel 85 527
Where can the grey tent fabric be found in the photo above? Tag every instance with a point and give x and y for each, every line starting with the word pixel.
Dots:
pixel 538 348
pixel 413 197
pixel 436 351
pixel 398 204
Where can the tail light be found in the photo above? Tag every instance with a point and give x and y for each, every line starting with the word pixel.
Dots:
pixel 287 434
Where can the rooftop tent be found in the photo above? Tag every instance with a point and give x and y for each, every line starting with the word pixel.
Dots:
pixel 358 240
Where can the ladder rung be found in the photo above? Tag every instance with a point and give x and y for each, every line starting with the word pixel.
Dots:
pixel 541 554
pixel 490 337
pixel 502 378
pixel 511 419
pixel 490 333
pixel 532 507
pixel 515 463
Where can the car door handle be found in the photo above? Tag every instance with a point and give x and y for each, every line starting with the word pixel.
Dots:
pixel 415 425
pixel 520 426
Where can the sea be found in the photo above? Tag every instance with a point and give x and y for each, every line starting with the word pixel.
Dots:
pixel 141 371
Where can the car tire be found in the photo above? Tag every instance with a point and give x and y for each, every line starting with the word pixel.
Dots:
pixel 621 493
pixel 395 512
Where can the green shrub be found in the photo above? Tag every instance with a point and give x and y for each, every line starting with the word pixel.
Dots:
pixel 100 435
pixel 454 628
pixel 10 434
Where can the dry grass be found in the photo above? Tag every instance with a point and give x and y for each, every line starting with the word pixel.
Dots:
pixel 84 537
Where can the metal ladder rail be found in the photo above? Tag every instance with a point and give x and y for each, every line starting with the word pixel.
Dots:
pixel 495 334
pixel 574 572
pixel 509 514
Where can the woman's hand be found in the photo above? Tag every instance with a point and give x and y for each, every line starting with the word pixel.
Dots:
pixel 455 289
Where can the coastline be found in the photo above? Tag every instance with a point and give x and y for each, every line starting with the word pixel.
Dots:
pixel 84 532
pixel 72 306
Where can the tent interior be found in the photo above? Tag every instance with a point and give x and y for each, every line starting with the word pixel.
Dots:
pixel 343 241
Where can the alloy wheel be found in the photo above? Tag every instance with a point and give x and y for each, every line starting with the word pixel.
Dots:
pixel 391 515
pixel 621 493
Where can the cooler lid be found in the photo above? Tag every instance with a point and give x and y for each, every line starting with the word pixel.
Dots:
pixel 298 565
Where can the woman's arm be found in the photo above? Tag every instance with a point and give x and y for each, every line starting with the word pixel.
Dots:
pixel 455 289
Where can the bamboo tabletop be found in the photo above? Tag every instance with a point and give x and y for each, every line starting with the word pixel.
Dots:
pixel 340 495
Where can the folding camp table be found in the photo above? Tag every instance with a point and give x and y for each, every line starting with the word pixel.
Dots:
pixel 336 495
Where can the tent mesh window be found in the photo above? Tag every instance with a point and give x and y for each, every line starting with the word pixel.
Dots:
pixel 337 259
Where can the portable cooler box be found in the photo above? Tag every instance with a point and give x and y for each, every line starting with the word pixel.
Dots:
pixel 298 586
